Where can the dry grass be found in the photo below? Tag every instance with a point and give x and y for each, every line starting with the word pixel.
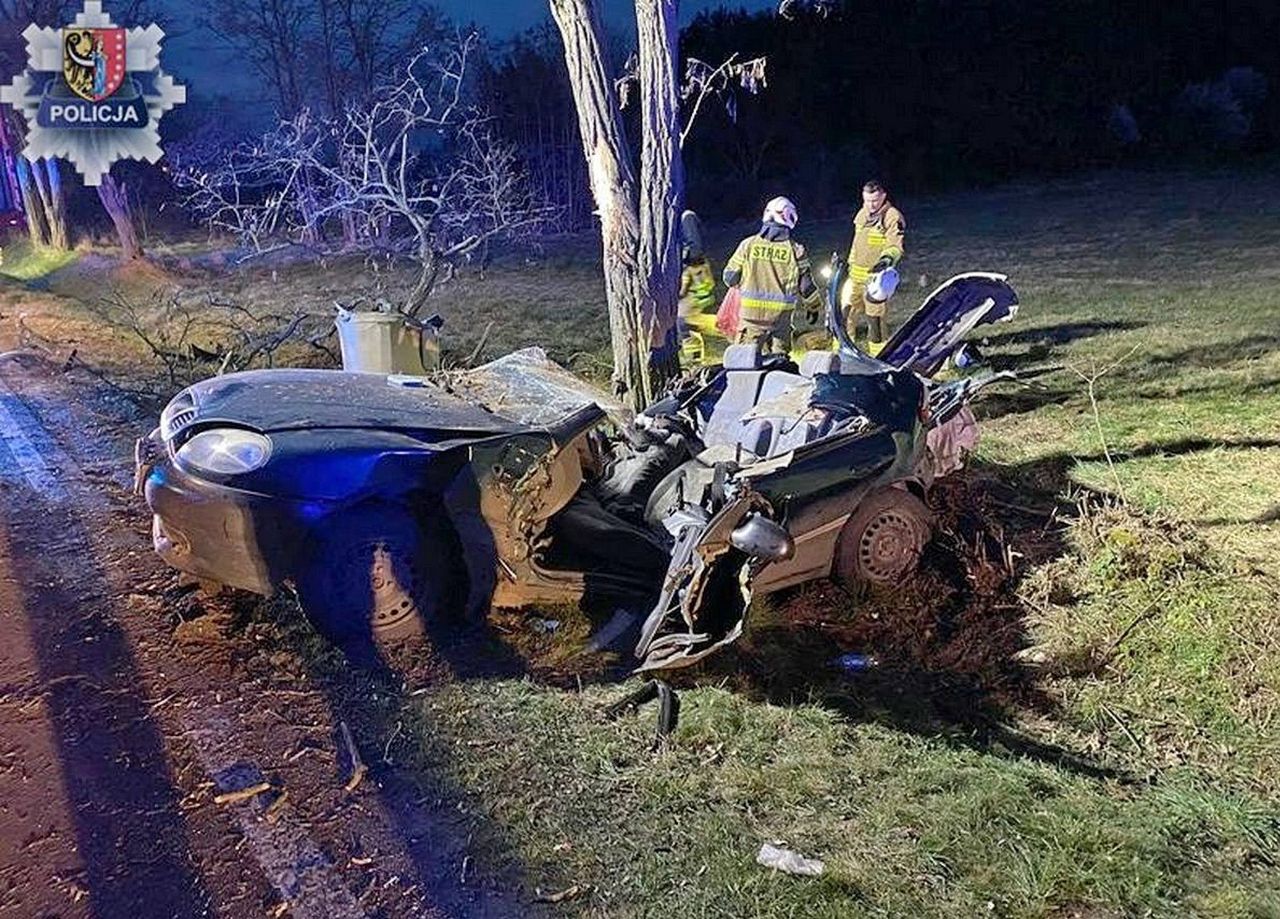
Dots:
pixel 1120 756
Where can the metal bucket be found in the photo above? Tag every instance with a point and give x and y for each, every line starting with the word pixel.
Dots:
pixel 378 342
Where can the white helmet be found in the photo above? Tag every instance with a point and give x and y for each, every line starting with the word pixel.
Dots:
pixel 882 284
pixel 781 210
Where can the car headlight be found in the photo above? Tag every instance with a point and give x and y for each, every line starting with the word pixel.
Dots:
pixel 225 451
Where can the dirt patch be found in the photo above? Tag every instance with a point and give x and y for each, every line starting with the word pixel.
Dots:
pixel 150 713
pixel 958 620
pixel 941 655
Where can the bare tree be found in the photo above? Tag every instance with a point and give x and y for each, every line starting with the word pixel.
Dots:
pixel 189 336
pixel 114 195
pixel 270 35
pixel 524 83
pixel 375 36
pixel 39 181
pixel 639 218
pixel 320 54
pixel 413 170
pixel 613 187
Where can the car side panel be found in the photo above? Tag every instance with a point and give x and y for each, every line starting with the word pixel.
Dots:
pixel 818 490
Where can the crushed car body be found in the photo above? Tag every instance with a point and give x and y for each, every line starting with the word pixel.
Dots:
pixel 388 502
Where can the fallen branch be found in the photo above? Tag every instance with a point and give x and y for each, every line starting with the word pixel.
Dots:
pixel 358 768
pixel 1129 629
pixel 242 794
pixel 275 808
pixel 484 340
pixel 1091 381
pixel 560 896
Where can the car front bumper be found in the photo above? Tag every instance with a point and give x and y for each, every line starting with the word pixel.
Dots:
pixel 212 531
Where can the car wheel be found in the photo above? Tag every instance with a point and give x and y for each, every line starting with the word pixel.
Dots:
pixel 882 540
pixel 371 577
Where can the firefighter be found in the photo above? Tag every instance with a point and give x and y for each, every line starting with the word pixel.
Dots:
pixel 878 230
pixel 772 274
pixel 697 308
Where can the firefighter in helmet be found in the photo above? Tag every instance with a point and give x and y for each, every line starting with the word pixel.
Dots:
pixel 772 273
pixel 878 231
pixel 697 309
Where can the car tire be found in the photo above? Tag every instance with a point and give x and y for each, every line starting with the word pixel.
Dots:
pixel 883 539
pixel 372 576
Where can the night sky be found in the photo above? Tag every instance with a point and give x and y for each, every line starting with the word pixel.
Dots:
pixel 506 16
pixel 197 61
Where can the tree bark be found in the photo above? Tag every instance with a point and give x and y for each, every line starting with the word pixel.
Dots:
pixel 53 200
pixel 37 228
pixel 32 204
pixel 612 180
pixel 661 181
pixel 115 199
pixel 9 165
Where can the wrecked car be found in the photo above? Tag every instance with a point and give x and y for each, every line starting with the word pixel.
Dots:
pixel 388 502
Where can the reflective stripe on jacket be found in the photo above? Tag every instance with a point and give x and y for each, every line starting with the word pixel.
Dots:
pixel 769 277
pixel 697 289
pixel 875 237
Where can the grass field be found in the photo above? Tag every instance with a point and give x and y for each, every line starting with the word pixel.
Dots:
pixel 1150 637
pixel 1099 736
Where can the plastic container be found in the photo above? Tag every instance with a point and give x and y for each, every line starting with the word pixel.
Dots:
pixel 378 342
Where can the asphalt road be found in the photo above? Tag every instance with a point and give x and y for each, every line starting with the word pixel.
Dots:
pixel 130 707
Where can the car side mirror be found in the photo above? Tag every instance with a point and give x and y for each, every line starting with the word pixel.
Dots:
pixel 760 537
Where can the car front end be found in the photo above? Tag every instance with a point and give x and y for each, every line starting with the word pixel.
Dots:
pixel 203 523
pixel 245 470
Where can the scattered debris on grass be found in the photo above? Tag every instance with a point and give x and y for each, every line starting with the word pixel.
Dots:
pixel 242 794
pixel 560 896
pixel 668 706
pixel 790 862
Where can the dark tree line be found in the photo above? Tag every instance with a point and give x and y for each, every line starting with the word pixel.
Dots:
pixel 933 93
pixel 526 90
pixel 924 93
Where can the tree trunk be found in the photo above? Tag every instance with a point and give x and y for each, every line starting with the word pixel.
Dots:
pixel 37 227
pixel 115 198
pixel 48 183
pixel 9 165
pixel 612 181
pixel 661 181
pixel 40 184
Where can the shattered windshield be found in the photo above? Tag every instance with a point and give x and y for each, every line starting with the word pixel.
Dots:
pixel 528 387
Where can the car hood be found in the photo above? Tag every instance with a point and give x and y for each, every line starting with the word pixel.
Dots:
pixel 289 399
pixel 947 315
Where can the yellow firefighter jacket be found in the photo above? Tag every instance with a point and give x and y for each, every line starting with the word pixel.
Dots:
pixel 697 289
pixel 875 236
pixel 771 273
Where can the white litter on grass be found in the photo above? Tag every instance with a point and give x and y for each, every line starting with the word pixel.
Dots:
pixel 790 862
